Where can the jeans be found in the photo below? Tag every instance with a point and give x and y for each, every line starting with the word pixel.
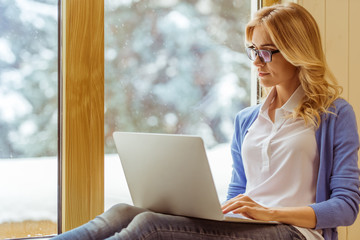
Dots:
pixel 127 222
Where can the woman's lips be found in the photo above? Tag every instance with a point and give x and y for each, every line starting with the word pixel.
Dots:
pixel 262 74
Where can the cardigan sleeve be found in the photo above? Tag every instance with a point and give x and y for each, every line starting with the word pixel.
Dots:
pixel 238 179
pixel 338 193
pixel 243 120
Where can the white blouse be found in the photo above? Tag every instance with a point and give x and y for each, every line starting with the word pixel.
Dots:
pixel 282 158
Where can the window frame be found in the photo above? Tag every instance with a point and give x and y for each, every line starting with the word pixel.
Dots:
pixel 81 112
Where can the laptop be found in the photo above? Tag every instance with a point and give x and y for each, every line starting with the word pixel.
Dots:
pixel 170 174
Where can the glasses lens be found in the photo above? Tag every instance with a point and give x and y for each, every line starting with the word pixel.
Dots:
pixel 251 53
pixel 265 55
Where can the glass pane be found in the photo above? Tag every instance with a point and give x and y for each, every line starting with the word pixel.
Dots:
pixel 28 117
pixel 174 67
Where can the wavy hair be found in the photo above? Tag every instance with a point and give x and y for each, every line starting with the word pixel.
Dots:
pixel 296 34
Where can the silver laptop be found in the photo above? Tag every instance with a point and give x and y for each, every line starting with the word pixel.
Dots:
pixel 171 174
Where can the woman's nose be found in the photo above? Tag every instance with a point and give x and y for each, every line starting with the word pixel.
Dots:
pixel 258 62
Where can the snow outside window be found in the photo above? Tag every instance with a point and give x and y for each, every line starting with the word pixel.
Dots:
pixel 28 117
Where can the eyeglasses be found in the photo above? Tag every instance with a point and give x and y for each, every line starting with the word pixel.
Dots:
pixel 265 55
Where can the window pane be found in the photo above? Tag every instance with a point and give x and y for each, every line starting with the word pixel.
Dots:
pixel 174 67
pixel 28 117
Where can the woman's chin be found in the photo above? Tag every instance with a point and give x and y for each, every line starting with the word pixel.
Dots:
pixel 266 83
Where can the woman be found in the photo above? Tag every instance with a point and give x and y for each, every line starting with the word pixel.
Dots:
pixel 295 155
pixel 303 137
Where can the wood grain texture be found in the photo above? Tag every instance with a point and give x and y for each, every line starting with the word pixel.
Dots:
pixel 337 41
pixel 27 229
pixel 266 3
pixel 354 81
pixel 83 111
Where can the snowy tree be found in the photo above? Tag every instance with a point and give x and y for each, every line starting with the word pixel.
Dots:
pixel 28 78
pixel 175 67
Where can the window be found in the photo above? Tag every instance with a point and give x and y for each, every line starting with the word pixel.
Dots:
pixel 174 67
pixel 28 118
pixel 204 66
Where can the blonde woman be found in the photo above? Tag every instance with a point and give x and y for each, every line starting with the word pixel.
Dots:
pixel 295 154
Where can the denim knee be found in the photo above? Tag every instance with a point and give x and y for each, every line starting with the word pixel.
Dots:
pixel 148 225
pixel 116 211
pixel 146 218
pixel 120 208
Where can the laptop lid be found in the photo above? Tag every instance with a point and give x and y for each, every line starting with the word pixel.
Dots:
pixel 168 174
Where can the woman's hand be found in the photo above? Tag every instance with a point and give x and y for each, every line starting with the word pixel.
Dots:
pixel 298 216
pixel 247 207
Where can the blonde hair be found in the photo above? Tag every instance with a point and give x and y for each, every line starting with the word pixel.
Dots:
pixel 296 34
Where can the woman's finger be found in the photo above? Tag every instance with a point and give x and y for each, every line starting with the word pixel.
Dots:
pixel 231 206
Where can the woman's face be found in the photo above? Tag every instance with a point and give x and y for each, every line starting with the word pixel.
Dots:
pixel 279 72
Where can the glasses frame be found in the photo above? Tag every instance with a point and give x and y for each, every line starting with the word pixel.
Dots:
pixel 258 52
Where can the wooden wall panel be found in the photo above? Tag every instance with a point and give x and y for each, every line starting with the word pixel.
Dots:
pixel 337 41
pixel 354 81
pixel 266 3
pixel 354 56
pixel 83 111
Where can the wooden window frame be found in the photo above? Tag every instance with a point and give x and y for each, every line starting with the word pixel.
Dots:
pixel 81 145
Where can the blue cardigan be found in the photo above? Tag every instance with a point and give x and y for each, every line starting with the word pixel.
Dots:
pixel 337 192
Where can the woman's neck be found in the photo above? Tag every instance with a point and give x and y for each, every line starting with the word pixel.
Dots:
pixel 283 94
